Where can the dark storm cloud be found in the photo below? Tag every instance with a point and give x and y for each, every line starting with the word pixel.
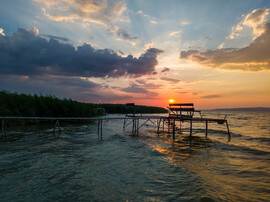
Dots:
pixel 25 52
pixel 63 87
pixel 254 57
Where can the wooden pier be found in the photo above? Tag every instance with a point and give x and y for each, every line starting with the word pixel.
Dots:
pixel 177 115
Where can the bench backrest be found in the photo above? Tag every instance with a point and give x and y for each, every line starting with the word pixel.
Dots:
pixel 178 109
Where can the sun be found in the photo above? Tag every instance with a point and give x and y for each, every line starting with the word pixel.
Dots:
pixel 171 100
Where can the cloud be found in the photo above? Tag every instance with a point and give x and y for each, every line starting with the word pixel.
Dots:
pixel 25 52
pixel 254 57
pixel 153 22
pixel 255 20
pixel 64 87
pixel 141 81
pixel 170 80
pixel 104 12
pixel 138 89
pixel 134 88
pixel 165 69
pixel 174 33
pixel 143 89
pixel 185 23
pixel 123 35
pixel 149 45
pixel 2 32
pixel 210 96
pixel 62 39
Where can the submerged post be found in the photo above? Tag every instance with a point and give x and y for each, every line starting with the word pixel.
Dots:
pixel 173 129
pixel 58 126
pixel 206 128
pixel 100 128
pixel 169 123
pixel 3 128
pixel 190 127
pixel 101 120
pixel 163 120
pixel 158 125
pixel 229 134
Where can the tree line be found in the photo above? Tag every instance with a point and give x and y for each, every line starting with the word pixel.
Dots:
pixel 27 105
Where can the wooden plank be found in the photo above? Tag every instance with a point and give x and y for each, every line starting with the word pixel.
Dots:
pixel 182 104
pixel 182 109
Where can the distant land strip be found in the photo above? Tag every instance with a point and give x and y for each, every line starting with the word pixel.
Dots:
pixel 261 109
pixel 25 105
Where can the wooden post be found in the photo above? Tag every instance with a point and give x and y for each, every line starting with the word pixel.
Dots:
pixel 206 128
pixel 169 125
pixel 98 128
pixel 58 126
pixel 173 129
pixel 190 127
pixel 138 123
pixel 54 127
pixel 101 120
pixel 229 134
pixel 3 128
pixel 136 126
pixel 158 125
pixel 133 125
pixel 163 124
pixel 124 125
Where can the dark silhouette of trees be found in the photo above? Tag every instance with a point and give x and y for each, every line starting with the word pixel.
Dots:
pixel 14 104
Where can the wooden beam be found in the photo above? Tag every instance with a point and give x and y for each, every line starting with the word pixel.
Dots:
pixel 182 109
pixel 182 104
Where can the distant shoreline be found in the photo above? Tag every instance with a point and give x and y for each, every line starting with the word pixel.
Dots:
pixel 257 109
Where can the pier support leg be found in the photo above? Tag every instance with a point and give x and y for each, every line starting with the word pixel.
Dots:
pixel 163 124
pixel 101 125
pixel 57 125
pixel 133 126
pixel 4 134
pixel 137 126
pixel 206 128
pixel 229 134
pixel 124 125
pixel 158 125
pixel 169 124
pixel 100 128
pixel 173 129
pixel 190 134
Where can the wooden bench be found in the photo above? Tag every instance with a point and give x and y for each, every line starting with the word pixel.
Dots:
pixel 181 109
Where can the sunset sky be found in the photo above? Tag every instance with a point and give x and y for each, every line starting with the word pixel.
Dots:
pixel 213 53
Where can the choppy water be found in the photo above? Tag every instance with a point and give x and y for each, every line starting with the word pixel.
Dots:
pixel 35 166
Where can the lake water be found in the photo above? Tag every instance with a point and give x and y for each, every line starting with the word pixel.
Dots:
pixel 77 166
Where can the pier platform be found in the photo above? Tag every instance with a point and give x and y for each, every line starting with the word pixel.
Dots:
pixel 171 123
